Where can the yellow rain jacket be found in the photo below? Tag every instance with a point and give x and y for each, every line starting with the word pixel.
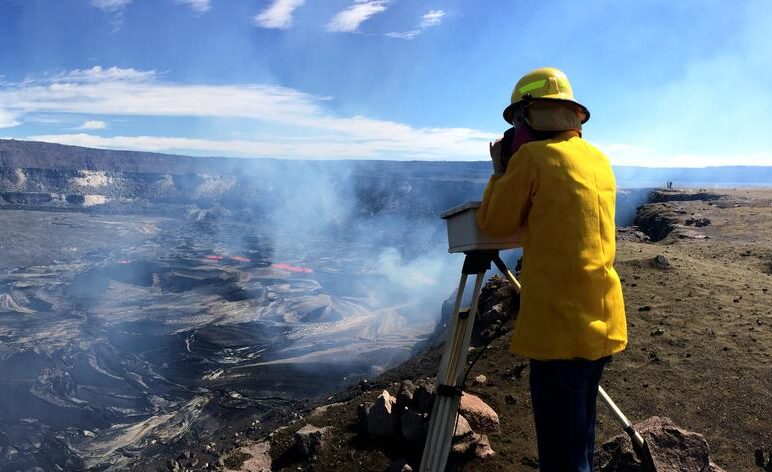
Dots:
pixel 560 193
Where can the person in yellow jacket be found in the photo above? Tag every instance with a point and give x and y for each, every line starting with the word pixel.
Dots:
pixel 559 191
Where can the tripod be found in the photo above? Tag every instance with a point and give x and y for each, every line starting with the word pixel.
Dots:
pixel 445 408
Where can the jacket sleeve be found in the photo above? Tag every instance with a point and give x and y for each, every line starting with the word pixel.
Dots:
pixel 507 198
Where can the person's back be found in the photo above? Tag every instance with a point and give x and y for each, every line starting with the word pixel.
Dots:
pixel 569 244
pixel 559 192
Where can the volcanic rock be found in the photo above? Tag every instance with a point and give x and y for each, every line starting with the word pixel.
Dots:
pixel 661 262
pixel 632 233
pixel 480 380
pixel 499 303
pixel 466 445
pixel 381 420
pixel 483 448
pixel 423 397
pixel 405 394
pixel 400 465
pixel 413 426
pixel 672 449
pixel 462 429
pixel 481 417
pixel 698 222
pixel 309 440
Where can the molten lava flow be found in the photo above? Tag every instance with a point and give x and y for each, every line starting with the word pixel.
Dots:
pixel 291 268
pixel 241 259
pixel 214 257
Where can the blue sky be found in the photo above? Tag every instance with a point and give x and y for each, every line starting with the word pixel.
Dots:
pixel 683 83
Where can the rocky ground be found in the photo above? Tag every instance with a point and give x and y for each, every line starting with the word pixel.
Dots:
pixel 696 274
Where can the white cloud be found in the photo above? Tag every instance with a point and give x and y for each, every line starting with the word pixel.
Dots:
pixel 110 5
pixel 404 34
pixel 431 18
pixel 100 74
pixel 424 147
pixel 7 119
pixel 279 14
pixel 641 156
pixel 198 6
pixel 116 92
pixel 428 19
pixel 93 124
pixel 349 20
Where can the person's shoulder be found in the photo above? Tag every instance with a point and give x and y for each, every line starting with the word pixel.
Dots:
pixel 585 146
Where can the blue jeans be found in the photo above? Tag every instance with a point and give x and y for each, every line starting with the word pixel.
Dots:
pixel 563 393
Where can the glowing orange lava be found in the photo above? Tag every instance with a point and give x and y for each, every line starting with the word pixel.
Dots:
pixel 291 268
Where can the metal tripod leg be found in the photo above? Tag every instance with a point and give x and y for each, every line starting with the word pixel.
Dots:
pixel 445 409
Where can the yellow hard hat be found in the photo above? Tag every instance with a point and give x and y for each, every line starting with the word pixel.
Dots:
pixel 546 83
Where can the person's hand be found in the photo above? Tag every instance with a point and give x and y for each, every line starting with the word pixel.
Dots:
pixel 495 151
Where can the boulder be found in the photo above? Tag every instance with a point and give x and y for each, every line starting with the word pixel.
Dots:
pixel 466 445
pixel 661 262
pixel 405 394
pixel 362 410
pixel 481 417
pixel 423 397
pixel 309 440
pixel 400 465
pixel 381 418
pixel 462 429
pixel 413 426
pixel 698 222
pixel 483 449
pixel 672 448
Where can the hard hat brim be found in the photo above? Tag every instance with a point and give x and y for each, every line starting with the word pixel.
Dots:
pixel 509 111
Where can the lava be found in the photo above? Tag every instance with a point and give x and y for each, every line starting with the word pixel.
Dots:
pixel 291 268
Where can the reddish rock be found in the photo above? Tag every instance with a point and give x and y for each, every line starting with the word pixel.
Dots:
pixel 462 429
pixel 483 448
pixel 481 417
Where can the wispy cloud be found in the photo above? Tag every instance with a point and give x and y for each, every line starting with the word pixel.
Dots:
pixel 642 156
pixel 278 15
pixel 93 124
pixel 110 5
pixel 129 92
pixel 114 8
pixel 428 20
pixel 7 119
pixel 431 18
pixel 349 20
pixel 101 74
pixel 198 6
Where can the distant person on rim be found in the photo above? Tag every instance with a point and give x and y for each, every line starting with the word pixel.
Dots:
pixel 559 192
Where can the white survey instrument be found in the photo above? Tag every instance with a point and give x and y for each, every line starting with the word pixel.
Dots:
pixel 480 250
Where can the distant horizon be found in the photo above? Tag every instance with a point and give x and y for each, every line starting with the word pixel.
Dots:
pixel 480 163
